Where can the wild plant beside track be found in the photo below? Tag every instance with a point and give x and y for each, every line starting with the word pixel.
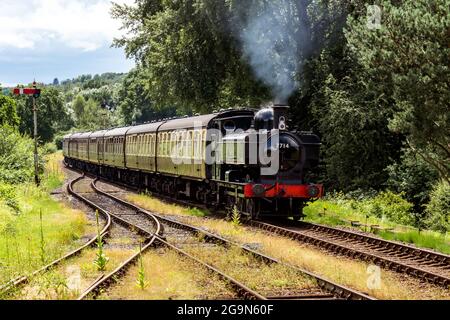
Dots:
pixel 29 240
pixel 141 282
pixel 236 217
pixel 41 240
pixel 101 259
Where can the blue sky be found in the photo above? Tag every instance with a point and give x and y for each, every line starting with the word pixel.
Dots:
pixel 47 39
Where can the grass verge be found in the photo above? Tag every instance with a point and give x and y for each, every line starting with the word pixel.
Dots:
pixel 68 280
pixel 339 213
pixel 24 244
pixel 169 277
pixel 156 205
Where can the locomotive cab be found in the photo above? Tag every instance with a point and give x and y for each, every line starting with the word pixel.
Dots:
pixel 285 188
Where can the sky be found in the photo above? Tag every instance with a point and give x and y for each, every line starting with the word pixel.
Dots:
pixel 47 39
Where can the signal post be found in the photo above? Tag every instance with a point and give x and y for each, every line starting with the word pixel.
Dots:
pixel 35 93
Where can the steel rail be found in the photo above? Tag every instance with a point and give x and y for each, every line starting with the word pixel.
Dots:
pixel 399 250
pixel 438 257
pixel 329 286
pixel 377 259
pixel 95 289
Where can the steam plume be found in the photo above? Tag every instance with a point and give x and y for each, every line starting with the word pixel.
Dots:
pixel 275 37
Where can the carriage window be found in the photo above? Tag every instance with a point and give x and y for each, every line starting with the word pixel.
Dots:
pixel 178 144
pixel 144 145
pixel 138 145
pixel 165 143
pixel 152 145
pixel 190 145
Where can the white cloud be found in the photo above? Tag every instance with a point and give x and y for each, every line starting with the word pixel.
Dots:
pixel 40 24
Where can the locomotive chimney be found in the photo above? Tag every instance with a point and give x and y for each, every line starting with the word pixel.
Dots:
pixel 280 112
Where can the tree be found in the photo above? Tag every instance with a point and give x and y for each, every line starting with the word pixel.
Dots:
pixel 136 105
pixel 350 114
pixel 408 57
pixel 438 210
pixel 190 58
pixel 56 82
pixel 52 114
pixel 8 112
pixel 414 177
pixel 16 156
pixel 94 117
pixel 78 107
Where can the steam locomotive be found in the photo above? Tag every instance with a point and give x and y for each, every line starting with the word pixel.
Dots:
pixel 244 159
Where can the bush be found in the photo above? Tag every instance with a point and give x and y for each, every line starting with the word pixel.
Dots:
pixel 438 210
pixel 413 176
pixel 58 141
pixel 8 196
pixel 392 206
pixel 48 148
pixel 16 156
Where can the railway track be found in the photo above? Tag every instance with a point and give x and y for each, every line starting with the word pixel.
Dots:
pixel 324 289
pixel 23 280
pixel 427 265
pixel 421 263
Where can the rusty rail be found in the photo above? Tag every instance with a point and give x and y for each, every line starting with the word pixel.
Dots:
pixel 335 289
pixel 394 257
pixel 154 239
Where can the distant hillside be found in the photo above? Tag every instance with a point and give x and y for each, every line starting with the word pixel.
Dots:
pixel 88 81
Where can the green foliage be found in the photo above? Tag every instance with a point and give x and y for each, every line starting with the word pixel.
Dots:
pixel 42 249
pixel 197 212
pixel 407 60
pixel 94 117
pixel 16 157
pixel 101 259
pixel 78 107
pixel 136 105
pixel 414 177
pixel 357 143
pixel 48 148
pixel 393 207
pixel 385 206
pixel 9 197
pixel 190 59
pixel 421 239
pixel 438 210
pixel 20 234
pixel 88 81
pixel 58 140
pixel 340 209
pixel 236 217
pixel 52 114
pixel 8 112
pixel 141 283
